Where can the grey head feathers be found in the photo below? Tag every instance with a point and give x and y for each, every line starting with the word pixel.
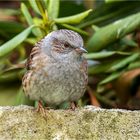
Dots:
pixel 62 43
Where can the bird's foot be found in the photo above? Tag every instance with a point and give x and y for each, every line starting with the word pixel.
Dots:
pixel 41 109
pixel 73 106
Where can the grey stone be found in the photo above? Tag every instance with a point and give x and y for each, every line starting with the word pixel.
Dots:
pixel 89 123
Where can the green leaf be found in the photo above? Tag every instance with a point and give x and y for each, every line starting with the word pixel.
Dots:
pixel 112 32
pixel 124 62
pixel 22 99
pixel 95 28
pixel 34 6
pixel 26 14
pixel 105 54
pixel 29 19
pixel 8 11
pixel 46 3
pixel 110 66
pixel 11 75
pixel 75 19
pixel 129 42
pixel 53 11
pixel 111 1
pixel 110 78
pixel 75 29
pixel 99 68
pixel 107 13
pixel 41 7
pixel 134 65
pixel 14 42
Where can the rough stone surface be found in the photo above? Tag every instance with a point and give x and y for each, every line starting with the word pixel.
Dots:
pixel 89 123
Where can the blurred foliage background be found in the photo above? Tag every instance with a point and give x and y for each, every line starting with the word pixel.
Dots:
pixel 110 29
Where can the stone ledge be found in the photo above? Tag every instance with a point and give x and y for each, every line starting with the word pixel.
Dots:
pixel 23 122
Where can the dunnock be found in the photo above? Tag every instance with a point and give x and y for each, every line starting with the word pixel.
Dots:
pixel 56 69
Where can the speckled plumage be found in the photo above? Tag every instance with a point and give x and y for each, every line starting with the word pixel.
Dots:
pixel 57 71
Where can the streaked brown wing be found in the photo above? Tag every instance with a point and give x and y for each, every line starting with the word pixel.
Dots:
pixel 35 51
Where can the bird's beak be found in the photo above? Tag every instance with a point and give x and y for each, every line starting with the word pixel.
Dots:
pixel 81 50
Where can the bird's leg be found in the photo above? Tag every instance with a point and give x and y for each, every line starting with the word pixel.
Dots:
pixel 39 106
pixel 41 109
pixel 73 105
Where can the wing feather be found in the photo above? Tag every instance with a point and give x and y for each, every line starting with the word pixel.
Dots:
pixel 35 51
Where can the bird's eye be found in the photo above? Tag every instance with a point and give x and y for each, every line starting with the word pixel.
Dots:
pixel 66 45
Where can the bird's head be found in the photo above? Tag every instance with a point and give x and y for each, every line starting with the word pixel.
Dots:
pixel 63 44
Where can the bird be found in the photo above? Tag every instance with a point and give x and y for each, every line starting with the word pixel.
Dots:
pixel 56 69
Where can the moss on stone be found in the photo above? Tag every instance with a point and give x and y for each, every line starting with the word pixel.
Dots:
pixel 23 122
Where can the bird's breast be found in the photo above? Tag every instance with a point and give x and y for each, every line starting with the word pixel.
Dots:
pixel 64 82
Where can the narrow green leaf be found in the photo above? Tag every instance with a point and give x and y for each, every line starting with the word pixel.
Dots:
pixel 95 28
pixel 53 11
pixel 124 62
pixel 106 54
pixel 75 19
pixel 10 76
pixel 110 78
pixel 75 29
pixel 31 40
pixel 22 99
pixel 112 32
pixel 42 10
pixel 8 11
pixel 99 68
pixel 29 19
pixel 40 6
pixel 129 42
pixel 105 13
pixel 111 1
pixel 46 3
pixel 134 65
pixel 105 67
pixel 13 43
pixel 26 14
pixel 95 70
pixel 34 6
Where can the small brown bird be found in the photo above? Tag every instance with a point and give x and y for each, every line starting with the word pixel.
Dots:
pixel 56 69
